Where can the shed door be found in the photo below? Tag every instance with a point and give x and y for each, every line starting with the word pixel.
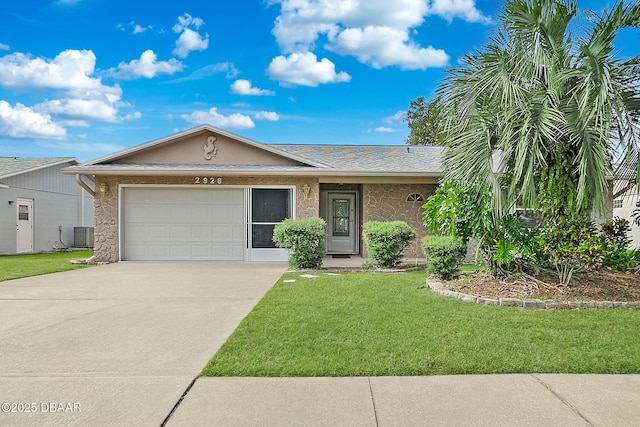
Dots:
pixel 179 224
pixel 24 226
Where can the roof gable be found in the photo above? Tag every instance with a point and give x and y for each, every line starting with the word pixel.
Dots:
pixel 205 145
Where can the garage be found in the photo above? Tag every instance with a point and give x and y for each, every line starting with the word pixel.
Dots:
pixel 182 223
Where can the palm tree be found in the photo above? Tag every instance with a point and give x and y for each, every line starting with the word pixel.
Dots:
pixel 542 117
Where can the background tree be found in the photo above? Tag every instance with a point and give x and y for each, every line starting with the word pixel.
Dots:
pixel 541 117
pixel 426 122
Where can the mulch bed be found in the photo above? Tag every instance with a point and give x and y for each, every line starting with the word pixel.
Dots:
pixel 588 286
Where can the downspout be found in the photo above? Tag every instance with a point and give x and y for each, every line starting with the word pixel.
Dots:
pixel 84 185
pixel 88 189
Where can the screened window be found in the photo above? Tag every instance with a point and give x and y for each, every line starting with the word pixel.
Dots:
pixel 269 206
pixel 617 203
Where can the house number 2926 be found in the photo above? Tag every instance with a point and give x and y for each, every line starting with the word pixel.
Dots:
pixel 207 180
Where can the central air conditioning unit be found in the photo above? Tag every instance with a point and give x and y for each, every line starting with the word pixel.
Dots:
pixel 83 237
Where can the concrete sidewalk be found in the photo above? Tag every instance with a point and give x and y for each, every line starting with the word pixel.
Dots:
pixel 465 400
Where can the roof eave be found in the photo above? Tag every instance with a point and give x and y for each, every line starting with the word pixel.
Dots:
pixel 81 170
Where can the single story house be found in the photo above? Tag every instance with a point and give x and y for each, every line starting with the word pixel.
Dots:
pixel 41 209
pixel 207 194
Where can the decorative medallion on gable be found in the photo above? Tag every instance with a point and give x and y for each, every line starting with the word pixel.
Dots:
pixel 210 149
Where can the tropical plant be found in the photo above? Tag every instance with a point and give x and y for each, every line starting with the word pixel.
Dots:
pixel 458 210
pixel 540 116
pixel 570 246
pixel 615 244
pixel 461 211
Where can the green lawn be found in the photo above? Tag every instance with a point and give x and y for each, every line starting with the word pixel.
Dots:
pixel 359 324
pixel 17 266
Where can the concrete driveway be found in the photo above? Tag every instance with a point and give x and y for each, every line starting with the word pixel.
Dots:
pixel 117 344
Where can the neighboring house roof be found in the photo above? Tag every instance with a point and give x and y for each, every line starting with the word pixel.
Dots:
pixel 312 159
pixel 12 166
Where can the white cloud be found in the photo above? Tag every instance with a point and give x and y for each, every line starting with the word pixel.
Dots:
pixel 362 28
pixel 208 71
pixel 135 28
pixel 134 116
pixel 396 118
pixel 189 40
pixel 139 29
pixel 383 129
pixel 270 116
pixel 302 21
pixel 212 117
pixel 23 122
pixel 186 21
pixel 70 69
pixel 384 46
pixel 304 69
pixel 4 46
pixel 84 108
pixel 147 66
pixel 463 9
pixel 78 95
pixel 243 87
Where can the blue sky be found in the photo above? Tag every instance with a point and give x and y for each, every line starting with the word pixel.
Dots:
pixel 85 78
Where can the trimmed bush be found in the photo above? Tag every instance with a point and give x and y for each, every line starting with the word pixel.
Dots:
pixel 305 240
pixel 386 241
pixel 444 255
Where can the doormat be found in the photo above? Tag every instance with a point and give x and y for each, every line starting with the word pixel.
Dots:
pixel 340 256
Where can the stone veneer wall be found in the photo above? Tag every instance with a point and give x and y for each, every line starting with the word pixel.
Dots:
pixel 388 202
pixel 106 244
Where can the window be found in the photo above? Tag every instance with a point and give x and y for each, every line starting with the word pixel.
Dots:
pixel 617 204
pixel 269 206
pixel 341 212
pixel 23 212
pixel 415 197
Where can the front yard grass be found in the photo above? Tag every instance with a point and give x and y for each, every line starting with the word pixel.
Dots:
pixel 373 324
pixel 17 266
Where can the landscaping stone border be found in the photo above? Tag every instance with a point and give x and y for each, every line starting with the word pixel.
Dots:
pixel 530 303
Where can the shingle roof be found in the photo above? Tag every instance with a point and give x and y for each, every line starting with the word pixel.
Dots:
pixel 320 159
pixel 11 166
pixel 371 158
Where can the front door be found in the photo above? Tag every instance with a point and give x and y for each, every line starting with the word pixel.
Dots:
pixel 24 222
pixel 342 223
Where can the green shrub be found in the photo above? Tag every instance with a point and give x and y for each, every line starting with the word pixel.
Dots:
pixel 570 246
pixel 444 255
pixel 305 240
pixel 386 241
pixel 615 242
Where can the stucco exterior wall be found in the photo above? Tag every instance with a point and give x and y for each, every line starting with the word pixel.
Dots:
pixel 106 243
pixel 388 202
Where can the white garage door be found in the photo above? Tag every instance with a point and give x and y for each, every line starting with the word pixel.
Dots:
pixel 183 224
